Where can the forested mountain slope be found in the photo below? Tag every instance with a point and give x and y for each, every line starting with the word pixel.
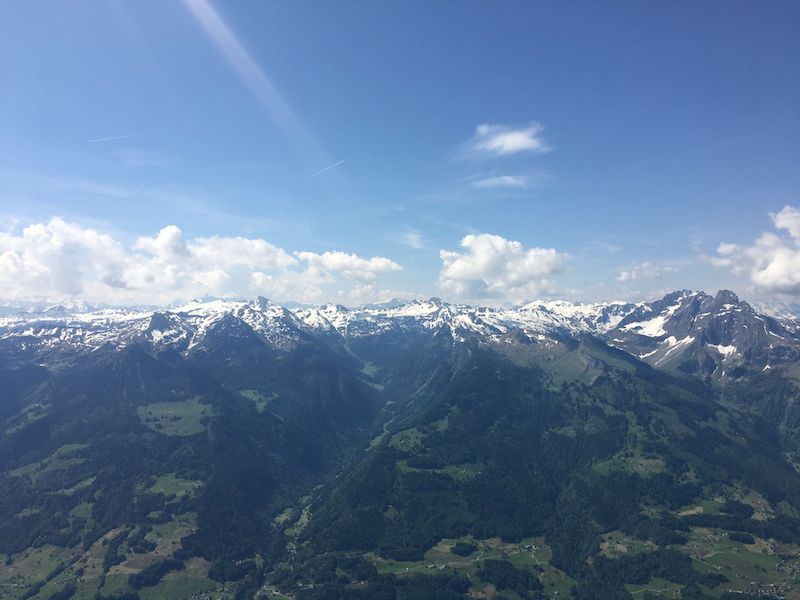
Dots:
pixel 420 450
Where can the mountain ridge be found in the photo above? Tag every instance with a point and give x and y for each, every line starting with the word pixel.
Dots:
pixel 690 331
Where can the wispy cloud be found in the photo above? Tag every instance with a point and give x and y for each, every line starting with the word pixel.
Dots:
pixel 644 270
pixel 414 239
pixel 329 167
pixel 503 140
pixel 604 246
pixel 519 182
pixel 124 136
pixel 34 194
pixel 279 110
pixel 410 238
pixel 41 183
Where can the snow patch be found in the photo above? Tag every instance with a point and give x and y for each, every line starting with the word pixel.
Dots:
pixel 652 328
pixel 681 344
pixel 726 351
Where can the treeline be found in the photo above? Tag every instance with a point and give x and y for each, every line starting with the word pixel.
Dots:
pixel 606 578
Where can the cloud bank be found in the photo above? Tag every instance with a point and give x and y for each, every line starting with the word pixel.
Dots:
pixel 772 261
pixel 59 259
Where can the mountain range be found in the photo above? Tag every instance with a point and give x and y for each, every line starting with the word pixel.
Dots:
pixel 690 331
pixel 234 448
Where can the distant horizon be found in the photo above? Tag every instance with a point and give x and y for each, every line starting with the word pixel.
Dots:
pixel 42 304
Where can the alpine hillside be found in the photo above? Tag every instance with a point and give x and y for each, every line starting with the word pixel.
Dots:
pixel 232 448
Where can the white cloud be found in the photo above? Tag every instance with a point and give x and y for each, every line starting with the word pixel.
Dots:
pixel 197 266
pixel 789 219
pixel 241 252
pixel 519 182
pixel 493 267
pixel 350 265
pixel 56 258
pixel 213 280
pixel 309 285
pixel 502 140
pixel 59 260
pixel 644 270
pixel 772 261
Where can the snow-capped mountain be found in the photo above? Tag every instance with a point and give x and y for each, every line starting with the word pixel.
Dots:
pixel 712 336
pixel 431 315
pixel 787 313
pixel 694 332
pixel 47 334
pixel 463 321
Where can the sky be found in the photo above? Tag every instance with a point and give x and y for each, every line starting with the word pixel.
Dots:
pixel 352 152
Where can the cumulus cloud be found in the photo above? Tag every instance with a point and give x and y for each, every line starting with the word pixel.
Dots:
pixel 644 270
pixel 58 259
pixel 492 267
pixel 518 182
pixel 789 219
pixel 503 140
pixel 772 261
pixel 171 263
pixel 308 285
pixel 350 265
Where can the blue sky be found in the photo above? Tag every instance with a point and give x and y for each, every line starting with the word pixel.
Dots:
pixel 485 152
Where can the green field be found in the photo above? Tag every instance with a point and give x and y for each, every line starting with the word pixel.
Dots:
pixel 82 510
pixel 409 440
pixel 29 414
pixel 55 567
pixel 62 458
pixel 369 369
pixel 260 400
pixel 30 567
pixel 615 544
pixel 170 533
pixel 84 483
pixel 440 559
pixel 763 567
pixel 660 587
pixel 170 485
pixel 182 584
pixel 176 418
